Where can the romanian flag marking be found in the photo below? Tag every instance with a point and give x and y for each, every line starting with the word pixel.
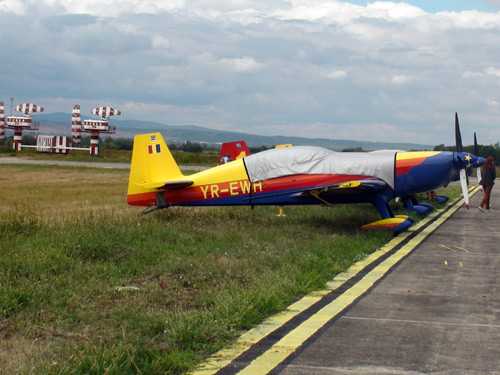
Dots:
pixel 154 149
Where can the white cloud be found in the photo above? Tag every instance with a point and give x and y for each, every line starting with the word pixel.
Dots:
pixel 159 41
pixel 105 8
pixel 340 12
pixel 377 72
pixel 492 71
pixel 471 19
pixel 469 74
pixel 336 74
pixel 492 102
pixel 13 6
pixel 244 64
pixel 386 9
pixel 401 79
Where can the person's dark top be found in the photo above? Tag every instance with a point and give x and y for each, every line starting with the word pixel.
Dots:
pixel 488 177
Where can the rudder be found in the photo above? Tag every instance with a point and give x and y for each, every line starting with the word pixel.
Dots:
pixel 152 168
pixel 231 151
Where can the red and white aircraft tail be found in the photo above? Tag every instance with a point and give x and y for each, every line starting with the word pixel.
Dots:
pixel 231 151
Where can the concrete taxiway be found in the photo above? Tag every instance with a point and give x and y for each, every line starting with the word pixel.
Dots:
pixel 427 303
pixel 438 312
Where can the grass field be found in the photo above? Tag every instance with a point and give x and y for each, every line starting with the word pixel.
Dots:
pixel 88 287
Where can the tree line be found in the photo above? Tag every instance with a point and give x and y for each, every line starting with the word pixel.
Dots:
pixel 483 150
pixel 128 144
pixel 197 148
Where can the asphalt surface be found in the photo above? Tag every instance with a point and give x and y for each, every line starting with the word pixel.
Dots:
pixel 426 303
pixel 438 312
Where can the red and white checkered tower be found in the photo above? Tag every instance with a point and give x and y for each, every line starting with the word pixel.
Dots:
pixel 95 127
pixel 76 126
pixel 18 123
pixel 2 124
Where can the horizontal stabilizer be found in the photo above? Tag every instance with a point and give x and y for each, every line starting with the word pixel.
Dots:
pixel 165 185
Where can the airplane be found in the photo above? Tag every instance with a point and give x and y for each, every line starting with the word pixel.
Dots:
pixel 236 150
pixel 232 151
pixel 299 175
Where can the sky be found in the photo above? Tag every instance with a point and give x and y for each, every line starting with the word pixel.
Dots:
pixel 387 71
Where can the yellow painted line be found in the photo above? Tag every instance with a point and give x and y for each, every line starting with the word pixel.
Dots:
pixel 448 248
pixel 451 249
pixel 289 343
pixel 251 337
pixel 461 265
pixel 461 248
pixel 445 263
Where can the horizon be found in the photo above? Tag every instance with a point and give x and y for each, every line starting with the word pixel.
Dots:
pixel 386 71
pixel 49 117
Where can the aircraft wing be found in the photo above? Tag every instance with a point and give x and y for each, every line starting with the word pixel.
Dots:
pixel 343 188
pixel 349 187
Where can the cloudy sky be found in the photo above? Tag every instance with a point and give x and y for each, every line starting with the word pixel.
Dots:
pixel 379 70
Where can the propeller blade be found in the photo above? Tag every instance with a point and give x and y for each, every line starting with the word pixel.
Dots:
pixel 476 147
pixel 476 153
pixel 458 136
pixel 463 184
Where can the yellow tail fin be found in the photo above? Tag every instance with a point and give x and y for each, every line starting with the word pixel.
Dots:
pixel 153 168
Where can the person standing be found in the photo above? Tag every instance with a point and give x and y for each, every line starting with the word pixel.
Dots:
pixel 488 176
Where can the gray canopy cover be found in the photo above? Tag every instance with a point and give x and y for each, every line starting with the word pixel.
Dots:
pixel 316 160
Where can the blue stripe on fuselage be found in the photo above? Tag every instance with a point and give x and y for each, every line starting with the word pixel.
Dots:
pixel 294 197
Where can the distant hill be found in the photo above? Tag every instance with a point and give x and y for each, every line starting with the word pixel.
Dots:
pixel 60 123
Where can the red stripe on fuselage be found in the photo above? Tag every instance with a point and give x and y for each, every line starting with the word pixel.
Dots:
pixel 143 199
pixel 212 191
pixel 404 166
pixel 305 181
pixel 242 188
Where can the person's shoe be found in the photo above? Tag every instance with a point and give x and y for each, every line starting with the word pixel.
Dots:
pixel 488 210
pixel 481 209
